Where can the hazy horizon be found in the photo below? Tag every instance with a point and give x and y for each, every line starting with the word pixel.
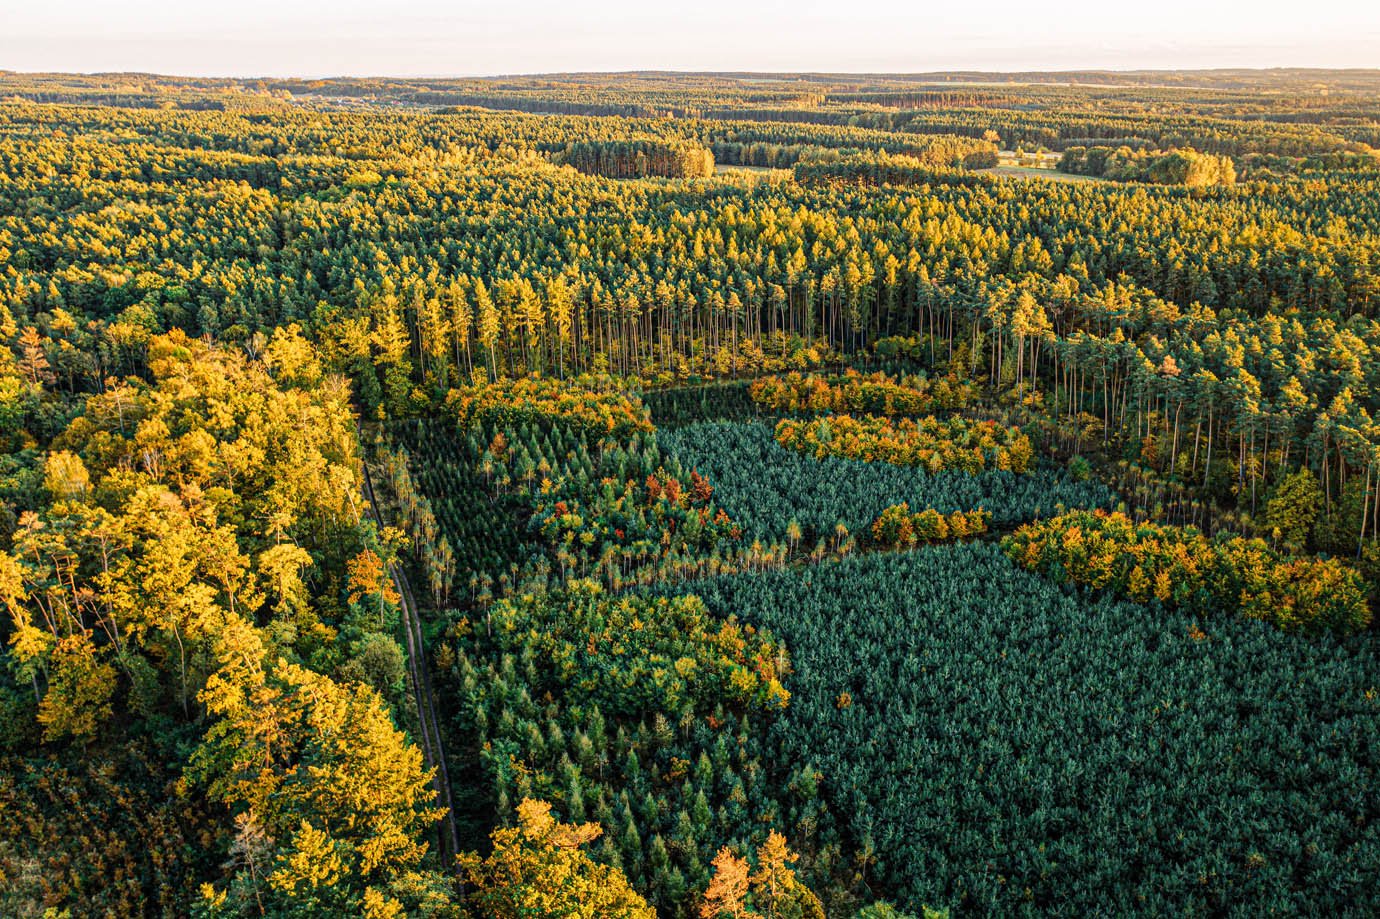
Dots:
pixel 674 72
pixel 430 38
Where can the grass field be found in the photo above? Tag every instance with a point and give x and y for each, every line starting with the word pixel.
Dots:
pixel 729 172
pixel 1028 172
pixel 762 170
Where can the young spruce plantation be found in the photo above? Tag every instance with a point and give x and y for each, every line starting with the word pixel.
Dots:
pixel 690 496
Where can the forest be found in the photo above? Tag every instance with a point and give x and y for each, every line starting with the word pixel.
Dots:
pixel 728 496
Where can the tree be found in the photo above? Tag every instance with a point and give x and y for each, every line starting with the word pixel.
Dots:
pixel 320 768
pixel 33 362
pixel 80 686
pixel 65 476
pixel 538 871
pixel 726 897
pixel 1293 509
pixel 777 893
pixel 772 891
pixel 884 910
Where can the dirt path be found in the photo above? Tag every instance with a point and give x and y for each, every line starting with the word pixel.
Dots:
pixel 433 749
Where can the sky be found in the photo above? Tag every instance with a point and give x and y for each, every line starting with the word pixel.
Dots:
pixel 317 38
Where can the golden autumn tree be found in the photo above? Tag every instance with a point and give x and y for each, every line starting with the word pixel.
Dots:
pixel 183 511
pixel 538 871
pixel 726 897
pixel 777 892
pixel 771 891
pixel 318 768
pixel 80 686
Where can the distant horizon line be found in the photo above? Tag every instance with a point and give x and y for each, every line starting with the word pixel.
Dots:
pixel 1027 72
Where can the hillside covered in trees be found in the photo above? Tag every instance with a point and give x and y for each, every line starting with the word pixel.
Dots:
pixel 690 495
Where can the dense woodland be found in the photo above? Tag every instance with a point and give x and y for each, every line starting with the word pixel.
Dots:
pixel 690 495
pixel 1180 167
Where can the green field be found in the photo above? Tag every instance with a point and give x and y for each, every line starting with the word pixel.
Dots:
pixel 726 168
pixel 1032 172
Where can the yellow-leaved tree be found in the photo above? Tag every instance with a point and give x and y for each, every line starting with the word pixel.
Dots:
pixel 537 871
pixel 772 891
pixel 318 770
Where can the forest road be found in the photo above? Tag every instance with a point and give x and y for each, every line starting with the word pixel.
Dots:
pixel 433 750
